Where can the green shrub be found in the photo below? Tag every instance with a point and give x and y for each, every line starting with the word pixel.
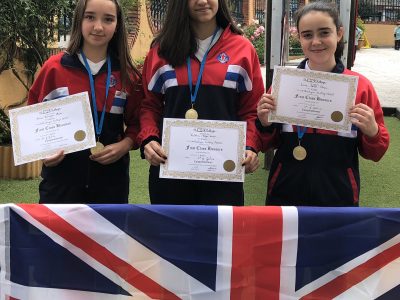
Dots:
pixel 5 131
pixel 294 43
pixel 256 34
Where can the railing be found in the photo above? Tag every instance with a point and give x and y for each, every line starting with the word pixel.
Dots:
pixel 259 10
pixel 379 10
pixel 65 23
pixel 236 7
pixel 158 9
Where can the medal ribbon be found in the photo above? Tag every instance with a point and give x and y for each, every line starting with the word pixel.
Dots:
pixel 300 132
pixel 193 96
pixel 98 126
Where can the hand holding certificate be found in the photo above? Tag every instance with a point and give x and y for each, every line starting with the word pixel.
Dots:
pixel 204 150
pixel 313 99
pixel 40 130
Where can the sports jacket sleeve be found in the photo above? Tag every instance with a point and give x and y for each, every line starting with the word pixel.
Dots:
pixel 152 105
pixel 247 110
pixel 372 148
pixel 131 117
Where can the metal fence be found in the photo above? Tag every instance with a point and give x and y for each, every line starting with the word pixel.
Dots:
pixel 158 9
pixel 379 11
pixel 236 7
pixel 259 10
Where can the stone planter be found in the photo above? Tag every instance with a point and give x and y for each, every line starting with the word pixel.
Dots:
pixel 9 171
pixel 360 44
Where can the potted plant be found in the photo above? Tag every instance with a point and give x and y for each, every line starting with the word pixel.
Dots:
pixel 7 168
pixel 361 28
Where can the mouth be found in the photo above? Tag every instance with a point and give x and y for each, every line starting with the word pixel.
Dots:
pixel 317 50
pixel 202 10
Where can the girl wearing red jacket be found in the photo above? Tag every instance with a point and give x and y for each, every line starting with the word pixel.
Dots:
pixel 196 33
pixel 327 173
pixel 97 56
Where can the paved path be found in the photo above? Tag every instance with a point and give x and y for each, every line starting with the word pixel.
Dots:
pixel 382 67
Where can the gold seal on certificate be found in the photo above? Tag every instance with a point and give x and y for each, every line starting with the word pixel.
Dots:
pixel 337 116
pixel 191 114
pixel 98 148
pixel 229 165
pixel 80 135
pixel 299 152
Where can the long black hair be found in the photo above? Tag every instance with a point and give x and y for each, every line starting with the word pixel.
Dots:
pixel 331 10
pixel 176 38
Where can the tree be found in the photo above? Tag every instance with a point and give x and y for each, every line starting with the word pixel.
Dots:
pixel 27 28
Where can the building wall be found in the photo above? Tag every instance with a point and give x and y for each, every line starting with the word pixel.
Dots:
pixel 11 89
pixel 144 35
pixel 380 35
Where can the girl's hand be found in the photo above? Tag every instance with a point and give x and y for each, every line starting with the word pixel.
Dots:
pixel 364 118
pixel 154 154
pixel 113 152
pixel 54 160
pixel 251 162
pixel 264 106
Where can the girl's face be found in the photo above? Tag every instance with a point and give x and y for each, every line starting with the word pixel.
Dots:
pixel 99 23
pixel 203 11
pixel 319 39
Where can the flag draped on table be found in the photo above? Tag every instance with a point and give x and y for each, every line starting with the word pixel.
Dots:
pixel 120 252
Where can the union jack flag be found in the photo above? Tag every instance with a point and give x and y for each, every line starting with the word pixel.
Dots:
pixel 120 252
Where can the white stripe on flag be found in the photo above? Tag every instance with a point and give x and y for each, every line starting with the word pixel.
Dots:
pixel 224 261
pixel 4 251
pixel 289 252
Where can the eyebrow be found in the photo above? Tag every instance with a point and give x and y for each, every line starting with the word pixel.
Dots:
pixel 94 13
pixel 319 29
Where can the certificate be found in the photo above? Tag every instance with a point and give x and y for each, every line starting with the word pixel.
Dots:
pixel 204 150
pixel 42 129
pixel 313 99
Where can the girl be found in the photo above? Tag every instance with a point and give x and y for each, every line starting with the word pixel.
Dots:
pixel 97 56
pixel 329 174
pixel 196 33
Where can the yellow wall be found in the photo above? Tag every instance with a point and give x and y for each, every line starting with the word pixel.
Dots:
pixel 380 35
pixel 11 89
pixel 145 35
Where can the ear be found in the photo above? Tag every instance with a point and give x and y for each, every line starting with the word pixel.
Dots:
pixel 340 33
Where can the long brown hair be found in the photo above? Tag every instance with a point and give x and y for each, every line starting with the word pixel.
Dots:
pixel 176 38
pixel 118 44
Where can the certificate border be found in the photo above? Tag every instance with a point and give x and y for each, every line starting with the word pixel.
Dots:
pixel 237 176
pixel 83 98
pixel 353 83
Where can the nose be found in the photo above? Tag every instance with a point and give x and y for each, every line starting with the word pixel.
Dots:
pixel 316 40
pixel 98 26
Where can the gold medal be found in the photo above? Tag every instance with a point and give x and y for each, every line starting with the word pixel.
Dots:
pixel 229 165
pixel 191 114
pixel 299 152
pixel 98 148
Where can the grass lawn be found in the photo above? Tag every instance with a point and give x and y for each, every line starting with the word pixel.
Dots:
pixel 380 182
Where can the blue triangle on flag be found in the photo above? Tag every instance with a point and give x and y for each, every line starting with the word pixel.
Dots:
pixel 37 261
pixel 330 237
pixel 186 236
